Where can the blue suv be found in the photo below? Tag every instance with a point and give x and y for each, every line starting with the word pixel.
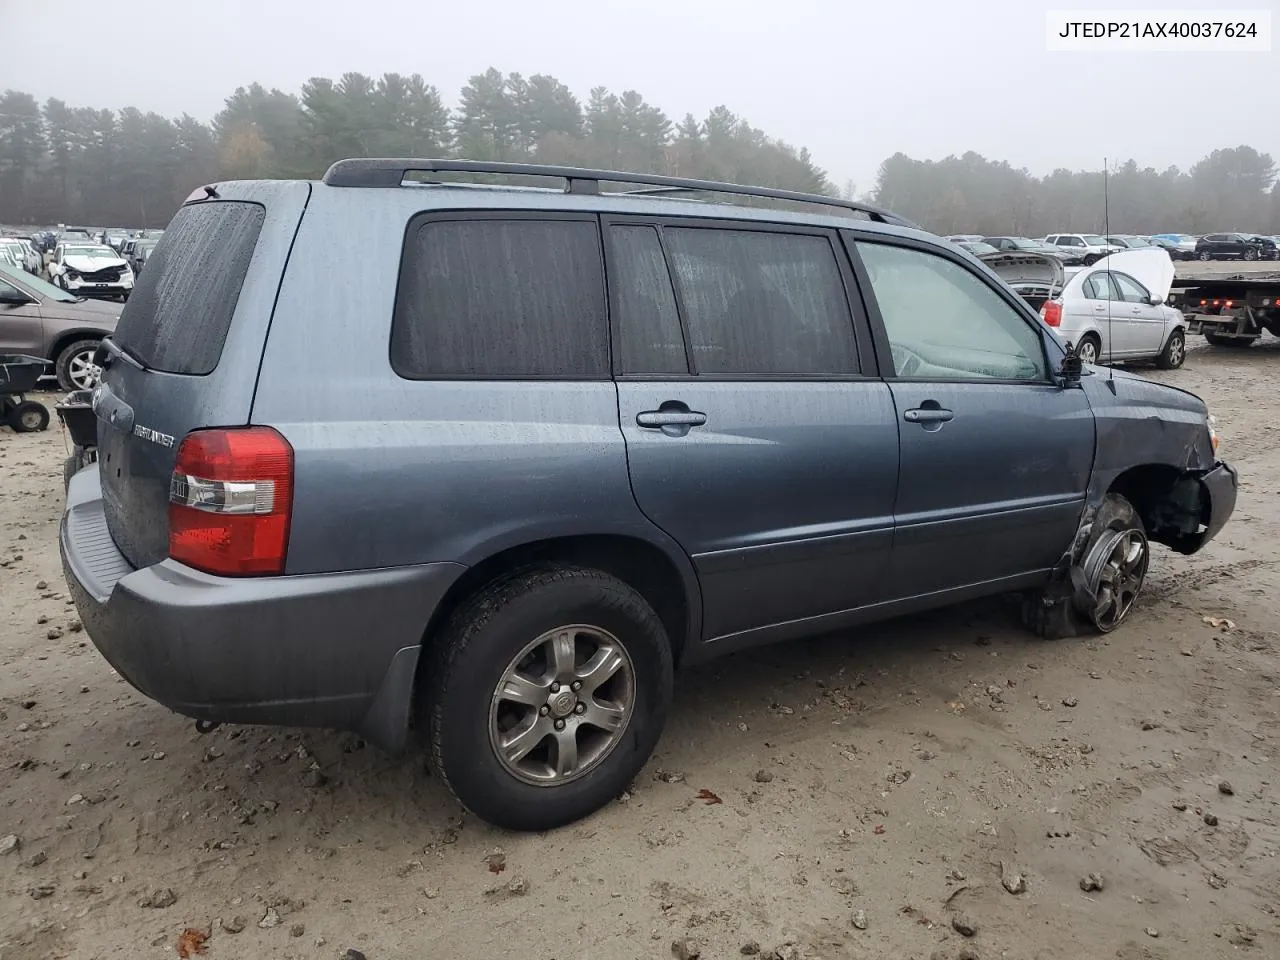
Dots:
pixel 542 446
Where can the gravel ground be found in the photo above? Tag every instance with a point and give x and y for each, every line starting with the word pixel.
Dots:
pixel 944 786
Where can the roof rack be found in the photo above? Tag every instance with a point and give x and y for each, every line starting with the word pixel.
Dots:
pixel 393 171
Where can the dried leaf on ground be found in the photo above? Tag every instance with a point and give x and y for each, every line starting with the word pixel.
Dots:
pixel 1221 623
pixel 497 862
pixel 191 943
pixel 707 797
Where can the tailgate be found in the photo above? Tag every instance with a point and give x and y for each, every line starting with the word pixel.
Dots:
pixel 186 351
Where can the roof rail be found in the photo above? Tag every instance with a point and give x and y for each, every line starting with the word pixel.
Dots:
pixel 393 171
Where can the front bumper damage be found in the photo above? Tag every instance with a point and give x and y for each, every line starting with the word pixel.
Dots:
pixel 1216 490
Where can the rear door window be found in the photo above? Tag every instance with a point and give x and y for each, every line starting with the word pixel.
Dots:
pixel 178 315
pixel 650 341
pixel 501 299
pixel 762 303
pixel 1098 287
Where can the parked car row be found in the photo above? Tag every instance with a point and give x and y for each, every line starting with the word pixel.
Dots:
pixel 1088 248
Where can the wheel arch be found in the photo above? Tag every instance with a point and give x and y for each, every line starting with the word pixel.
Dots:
pixel 66 339
pixel 665 578
pixel 1167 499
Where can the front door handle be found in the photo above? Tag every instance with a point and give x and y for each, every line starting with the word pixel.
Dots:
pixel 670 418
pixel 927 415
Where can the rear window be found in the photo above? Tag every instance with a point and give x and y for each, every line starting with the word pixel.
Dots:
pixel 501 299
pixel 178 315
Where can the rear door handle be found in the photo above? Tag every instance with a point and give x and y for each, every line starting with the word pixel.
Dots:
pixel 670 418
pixel 927 415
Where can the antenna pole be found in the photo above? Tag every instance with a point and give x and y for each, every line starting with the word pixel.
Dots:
pixel 1106 235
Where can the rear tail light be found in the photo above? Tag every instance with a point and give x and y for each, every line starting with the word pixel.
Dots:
pixel 1051 313
pixel 230 498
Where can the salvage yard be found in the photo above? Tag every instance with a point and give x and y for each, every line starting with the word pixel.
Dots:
pixel 943 786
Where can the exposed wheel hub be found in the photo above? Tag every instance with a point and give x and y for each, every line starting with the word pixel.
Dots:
pixel 1115 571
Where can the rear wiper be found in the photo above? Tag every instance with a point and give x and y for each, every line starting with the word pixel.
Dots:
pixel 108 350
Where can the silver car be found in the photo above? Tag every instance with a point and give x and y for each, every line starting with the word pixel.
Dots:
pixel 1116 310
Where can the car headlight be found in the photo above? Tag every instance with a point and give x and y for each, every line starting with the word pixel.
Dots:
pixel 72 275
pixel 1211 424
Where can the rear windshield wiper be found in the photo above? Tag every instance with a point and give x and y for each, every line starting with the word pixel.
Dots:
pixel 108 350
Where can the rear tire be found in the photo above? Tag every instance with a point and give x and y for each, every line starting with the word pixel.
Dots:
pixel 75 367
pixel 1204 255
pixel 494 686
pixel 1216 340
pixel 1174 352
pixel 1089 349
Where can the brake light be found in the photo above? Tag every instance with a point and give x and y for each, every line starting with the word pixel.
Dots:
pixel 1227 304
pixel 230 499
pixel 1051 313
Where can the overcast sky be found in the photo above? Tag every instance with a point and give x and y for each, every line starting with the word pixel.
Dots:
pixel 853 80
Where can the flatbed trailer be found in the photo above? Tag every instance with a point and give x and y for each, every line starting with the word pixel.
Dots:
pixel 1229 311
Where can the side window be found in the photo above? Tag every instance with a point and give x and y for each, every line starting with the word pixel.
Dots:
pixel 762 303
pixel 1098 287
pixel 1131 291
pixel 500 299
pixel 644 305
pixel 11 294
pixel 1073 241
pixel 945 323
pixel 1052 239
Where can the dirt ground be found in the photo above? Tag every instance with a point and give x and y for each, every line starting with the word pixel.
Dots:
pixel 872 785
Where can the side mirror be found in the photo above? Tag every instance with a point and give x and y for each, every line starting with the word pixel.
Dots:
pixel 1154 301
pixel 1072 368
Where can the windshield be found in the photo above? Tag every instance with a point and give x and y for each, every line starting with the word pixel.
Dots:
pixel 36 285
pixel 93 253
pixel 1094 241
pixel 978 247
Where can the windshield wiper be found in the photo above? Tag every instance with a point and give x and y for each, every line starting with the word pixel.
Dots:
pixel 116 350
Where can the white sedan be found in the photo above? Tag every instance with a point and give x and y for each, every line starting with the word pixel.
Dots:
pixel 1116 310
pixel 91 269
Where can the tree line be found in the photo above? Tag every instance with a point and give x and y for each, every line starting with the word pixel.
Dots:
pixel 66 164
pixel 1229 189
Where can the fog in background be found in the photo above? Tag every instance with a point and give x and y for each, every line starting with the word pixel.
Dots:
pixel 844 85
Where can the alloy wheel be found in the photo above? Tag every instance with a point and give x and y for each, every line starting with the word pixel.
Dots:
pixel 1087 351
pixel 1116 570
pixel 82 371
pixel 562 705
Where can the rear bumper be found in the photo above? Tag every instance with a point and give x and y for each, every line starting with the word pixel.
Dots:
pixel 329 650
